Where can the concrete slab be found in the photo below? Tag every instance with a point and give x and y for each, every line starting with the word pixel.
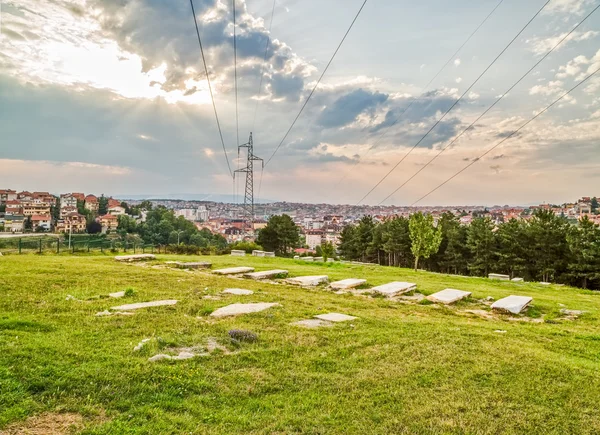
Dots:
pixel 237 291
pixel 238 253
pixel 193 265
pixel 395 288
pixel 117 294
pixel 499 276
pixel 233 270
pixel 136 257
pixel 309 259
pixel 335 317
pixel 266 274
pixel 270 254
pixel 236 309
pixel 257 253
pixel 512 304
pixel 308 280
pixel 312 323
pixel 139 305
pixel 347 283
pixel 448 296
pixel 517 280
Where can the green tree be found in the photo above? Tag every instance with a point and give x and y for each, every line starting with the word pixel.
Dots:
pixel 584 246
pixel 55 210
pixel 594 205
pixel 425 238
pixel 102 205
pixel 327 250
pixel 456 256
pixel 547 248
pixel 348 244
pixel 396 241
pixel 94 227
pixel 512 241
pixel 28 224
pixel 279 235
pixel 481 243
pixel 2 208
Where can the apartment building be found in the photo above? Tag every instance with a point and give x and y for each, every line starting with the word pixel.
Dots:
pixel 73 222
pixel 7 195
pixel 43 222
pixel 109 222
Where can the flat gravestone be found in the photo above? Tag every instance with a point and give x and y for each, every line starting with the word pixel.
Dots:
pixel 266 274
pixel 308 259
pixel 499 276
pixel 448 296
pixel 117 294
pixel 335 317
pixel 512 304
pixel 517 279
pixel 308 280
pixel 312 323
pixel 237 291
pixel 347 283
pixel 235 309
pixel 233 270
pixel 318 258
pixel 257 253
pixel 238 253
pixel 136 257
pixel 395 288
pixel 144 305
pixel 193 265
pixel 270 254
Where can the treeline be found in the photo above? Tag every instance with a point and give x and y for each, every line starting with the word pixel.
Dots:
pixel 162 227
pixel 544 248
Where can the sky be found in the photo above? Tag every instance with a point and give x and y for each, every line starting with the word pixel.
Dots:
pixel 111 96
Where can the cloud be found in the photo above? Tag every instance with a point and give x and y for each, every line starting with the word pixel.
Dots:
pixel 541 46
pixel 456 62
pixel 347 107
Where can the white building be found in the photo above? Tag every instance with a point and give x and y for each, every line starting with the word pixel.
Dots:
pixel 313 239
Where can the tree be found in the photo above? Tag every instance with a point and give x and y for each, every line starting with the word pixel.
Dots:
pixel 2 208
pixel 348 244
pixel 512 239
pixel 594 205
pixel 547 250
pixel 28 224
pixel 102 205
pixel 279 235
pixel 327 250
pixel 584 246
pixel 425 238
pixel 94 227
pixel 481 243
pixel 55 210
pixel 457 255
pixel 396 242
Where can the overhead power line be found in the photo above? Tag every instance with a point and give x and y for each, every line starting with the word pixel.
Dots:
pixel 453 105
pixel 414 100
pixel 237 123
pixel 262 69
pixel 490 107
pixel 506 138
pixel 210 88
pixel 317 84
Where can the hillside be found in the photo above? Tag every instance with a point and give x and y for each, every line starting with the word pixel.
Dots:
pixel 400 367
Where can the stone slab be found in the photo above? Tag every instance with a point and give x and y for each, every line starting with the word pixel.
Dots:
pixel 144 305
pixel 347 283
pixel 233 270
pixel 257 253
pixel 395 288
pixel 512 304
pixel 309 259
pixel 266 274
pixel 117 294
pixel 448 296
pixel 517 280
pixel 270 254
pixel 236 309
pixel 318 259
pixel 136 257
pixel 312 323
pixel 237 291
pixel 308 280
pixel 499 276
pixel 335 317
pixel 193 265
pixel 238 253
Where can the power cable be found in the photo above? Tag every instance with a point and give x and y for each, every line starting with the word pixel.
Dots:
pixel 317 84
pixel 262 70
pixel 492 106
pixel 453 105
pixel 237 124
pixel 210 88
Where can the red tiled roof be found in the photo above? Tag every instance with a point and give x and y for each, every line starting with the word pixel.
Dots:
pixel 91 198
pixel 38 217
pixel 113 203
pixel 108 216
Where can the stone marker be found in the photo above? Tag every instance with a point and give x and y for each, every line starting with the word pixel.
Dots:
pixel 335 317
pixel 545 283
pixel 448 296
pixel 238 253
pixel 266 274
pixel 233 270
pixel 395 288
pixel 270 254
pixel 312 323
pixel 318 258
pixel 512 304
pixel 117 294
pixel 498 276
pixel 308 280
pixel 517 280
pixel 237 291
pixel 235 309
pixel 296 257
pixel 136 257
pixel 144 305
pixel 347 283
pixel 257 253
pixel 193 265
pixel 308 258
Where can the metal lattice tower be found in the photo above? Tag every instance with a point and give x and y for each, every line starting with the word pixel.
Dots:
pixel 249 170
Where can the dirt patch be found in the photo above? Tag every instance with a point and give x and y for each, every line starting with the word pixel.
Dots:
pixel 47 423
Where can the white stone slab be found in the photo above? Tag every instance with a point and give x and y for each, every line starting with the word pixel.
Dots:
pixel 499 276
pixel 308 280
pixel 266 274
pixel 235 309
pixel 395 288
pixel 269 254
pixel 233 270
pixel 117 294
pixel 448 296
pixel 144 305
pixel 517 280
pixel 347 283
pixel 257 253
pixel 237 291
pixel 312 323
pixel 512 304
pixel 238 253
pixel 296 257
pixel 309 259
pixel 335 317
pixel 136 257
pixel 193 265
pixel 318 258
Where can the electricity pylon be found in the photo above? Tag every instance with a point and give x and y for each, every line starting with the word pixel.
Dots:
pixel 249 170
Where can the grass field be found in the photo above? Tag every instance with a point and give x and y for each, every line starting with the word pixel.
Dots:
pixel 399 368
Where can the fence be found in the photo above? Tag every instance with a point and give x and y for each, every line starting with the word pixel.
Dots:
pixel 41 245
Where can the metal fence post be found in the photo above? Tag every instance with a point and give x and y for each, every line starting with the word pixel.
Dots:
pixel 58 246
pixel 19 245
pixel 40 245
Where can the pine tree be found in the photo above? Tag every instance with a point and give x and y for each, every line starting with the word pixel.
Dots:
pixel 584 246
pixel 547 250
pixel 481 243
pixel 512 239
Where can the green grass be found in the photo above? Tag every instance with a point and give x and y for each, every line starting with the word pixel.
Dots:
pixel 399 368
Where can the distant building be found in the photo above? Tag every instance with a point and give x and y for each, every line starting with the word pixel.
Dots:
pixel 109 222
pixel 314 239
pixel 35 207
pixel 13 207
pixel 41 221
pixel 67 200
pixel 7 195
pixel 73 222
pixel 116 210
pixel 14 223
pixel 91 203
